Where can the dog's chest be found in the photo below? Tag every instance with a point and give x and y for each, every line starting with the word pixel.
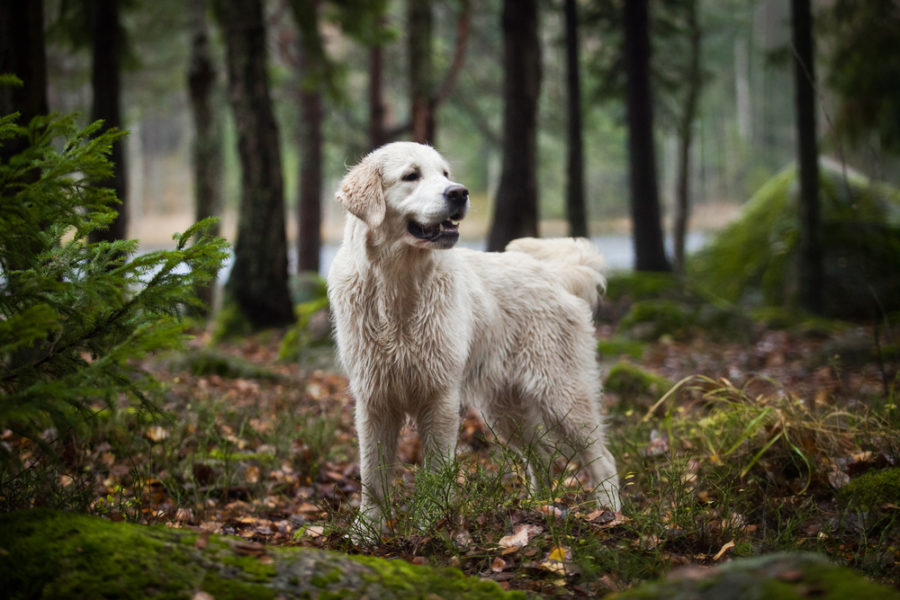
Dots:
pixel 404 341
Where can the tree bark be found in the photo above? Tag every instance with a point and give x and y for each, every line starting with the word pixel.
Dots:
pixel 207 147
pixel 649 247
pixel 685 136
pixel 108 44
pixel 377 111
pixel 309 196
pixel 421 101
pixel 22 54
pixel 516 205
pixel 811 275
pixel 576 213
pixel 258 280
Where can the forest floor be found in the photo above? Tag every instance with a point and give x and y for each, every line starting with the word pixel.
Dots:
pixel 753 452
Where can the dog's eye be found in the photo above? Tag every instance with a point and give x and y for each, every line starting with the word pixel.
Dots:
pixel 411 176
pixel 446 174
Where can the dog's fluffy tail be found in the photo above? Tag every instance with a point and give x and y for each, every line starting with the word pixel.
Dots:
pixel 574 262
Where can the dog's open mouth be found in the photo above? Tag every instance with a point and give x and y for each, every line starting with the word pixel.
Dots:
pixel 447 231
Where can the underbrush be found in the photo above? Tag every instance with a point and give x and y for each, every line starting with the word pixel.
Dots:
pixel 709 470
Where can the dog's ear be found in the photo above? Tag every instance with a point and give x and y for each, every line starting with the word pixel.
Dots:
pixel 362 194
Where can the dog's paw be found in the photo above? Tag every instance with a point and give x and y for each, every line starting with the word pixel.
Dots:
pixel 367 529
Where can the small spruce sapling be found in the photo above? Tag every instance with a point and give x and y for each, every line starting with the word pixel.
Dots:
pixel 75 316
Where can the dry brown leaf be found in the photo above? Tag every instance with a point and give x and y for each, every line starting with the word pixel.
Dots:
pixel 558 561
pixel 250 548
pixel 523 533
pixel 725 548
pixel 155 433
pixel 498 565
pixel 314 531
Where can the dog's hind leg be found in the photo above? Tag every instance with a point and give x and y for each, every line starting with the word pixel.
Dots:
pixel 584 433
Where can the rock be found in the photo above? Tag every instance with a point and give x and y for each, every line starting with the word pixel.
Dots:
pixel 50 554
pixel 771 577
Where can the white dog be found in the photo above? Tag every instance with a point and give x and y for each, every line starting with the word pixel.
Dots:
pixel 423 330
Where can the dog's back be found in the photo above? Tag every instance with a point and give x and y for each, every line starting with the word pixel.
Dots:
pixel 573 262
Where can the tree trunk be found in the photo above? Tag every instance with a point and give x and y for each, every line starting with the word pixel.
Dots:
pixel 811 270
pixel 108 42
pixel 576 212
pixel 421 67
pixel 207 150
pixel 649 247
pixel 516 205
pixel 309 196
pixel 22 54
pixel 685 137
pixel 377 112
pixel 258 280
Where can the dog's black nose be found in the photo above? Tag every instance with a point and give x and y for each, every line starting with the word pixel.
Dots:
pixel 456 195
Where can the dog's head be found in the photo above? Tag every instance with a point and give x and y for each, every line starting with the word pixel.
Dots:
pixel 403 191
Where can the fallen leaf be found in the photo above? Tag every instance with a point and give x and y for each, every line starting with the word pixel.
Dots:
pixel 558 553
pixel 252 474
pixel 558 561
pixel 519 539
pixel 498 565
pixel 725 548
pixel 155 433
pixel 552 510
pixel 314 531
pixel 250 548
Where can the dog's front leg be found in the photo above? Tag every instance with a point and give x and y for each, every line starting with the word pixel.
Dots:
pixel 378 430
pixel 438 424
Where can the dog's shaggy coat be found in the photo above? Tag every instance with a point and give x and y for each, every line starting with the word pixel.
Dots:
pixel 423 329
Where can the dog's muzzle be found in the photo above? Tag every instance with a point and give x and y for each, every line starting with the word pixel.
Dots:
pixel 446 233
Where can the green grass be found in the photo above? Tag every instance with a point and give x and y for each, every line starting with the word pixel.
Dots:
pixel 705 466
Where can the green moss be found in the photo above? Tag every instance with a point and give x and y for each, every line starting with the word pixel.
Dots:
pixel 231 323
pixel 210 362
pixel 754 259
pixel 301 337
pixel 619 346
pixel 774 577
pixel 651 319
pixel 873 489
pixel 330 578
pixel 406 579
pixel 60 555
pixel 642 285
pixel 631 382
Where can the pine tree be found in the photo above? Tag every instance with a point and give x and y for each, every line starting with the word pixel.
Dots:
pixel 74 315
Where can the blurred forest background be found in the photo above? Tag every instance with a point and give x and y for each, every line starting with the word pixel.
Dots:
pixel 736 161
pixel 346 75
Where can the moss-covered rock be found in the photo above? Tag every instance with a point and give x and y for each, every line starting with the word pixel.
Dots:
pixel 754 260
pixel 48 554
pixel 770 577
pixel 618 346
pixel 651 319
pixel 209 362
pixel 873 489
pixel 633 384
